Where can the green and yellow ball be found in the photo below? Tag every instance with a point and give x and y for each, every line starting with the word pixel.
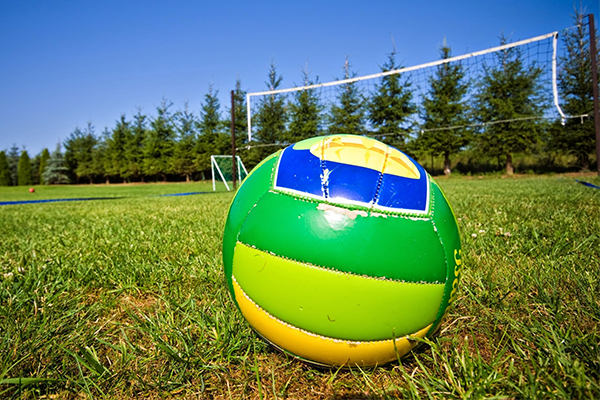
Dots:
pixel 340 250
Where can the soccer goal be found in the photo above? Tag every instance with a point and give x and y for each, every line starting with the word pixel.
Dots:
pixel 223 165
pixel 538 53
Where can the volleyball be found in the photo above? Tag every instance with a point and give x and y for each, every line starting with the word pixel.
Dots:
pixel 341 250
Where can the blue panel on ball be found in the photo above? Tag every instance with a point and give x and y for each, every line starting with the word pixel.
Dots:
pixel 300 172
pixel 350 183
pixel 401 193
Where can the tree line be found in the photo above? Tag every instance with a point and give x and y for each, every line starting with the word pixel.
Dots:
pixel 177 144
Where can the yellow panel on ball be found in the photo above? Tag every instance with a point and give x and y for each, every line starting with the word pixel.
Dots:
pixel 321 349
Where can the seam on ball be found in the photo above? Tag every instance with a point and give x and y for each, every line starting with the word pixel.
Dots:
pixel 311 265
pixel 372 211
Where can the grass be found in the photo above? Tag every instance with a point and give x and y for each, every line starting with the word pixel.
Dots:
pixel 125 299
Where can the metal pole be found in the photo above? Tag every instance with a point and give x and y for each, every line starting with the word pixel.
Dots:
pixel 593 56
pixel 233 158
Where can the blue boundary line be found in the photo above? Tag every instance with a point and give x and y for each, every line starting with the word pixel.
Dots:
pixel 588 184
pixel 16 202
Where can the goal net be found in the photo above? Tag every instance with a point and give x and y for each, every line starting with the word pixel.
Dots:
pixel 538 53
pixel 222 170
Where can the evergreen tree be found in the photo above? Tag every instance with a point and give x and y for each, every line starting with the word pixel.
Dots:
pixel 392 105
pixel 212 140
pixel 270 119
pixel 13 164
pixel 99 158
pixel 35 168
pixel 4 170
pixel 509 92
pixel 444 107
pixel 24 170
pixel 56 170
pixel 348 115
pixel 43 162
pixel 184 155
pixel 134 147
pixel 116 162
pixel 159 142
pixel 577 136
pixel 305 110
pixel 240 115
pixel 79 148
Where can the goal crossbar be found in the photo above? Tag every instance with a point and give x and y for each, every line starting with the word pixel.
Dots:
pixel 553 35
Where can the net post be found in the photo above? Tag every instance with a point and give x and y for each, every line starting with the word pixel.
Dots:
pixel 593 56
pixel 248 111
pixel 233 159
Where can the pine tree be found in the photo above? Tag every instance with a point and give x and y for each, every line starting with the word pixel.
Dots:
pixel 509 92
pixel 13 164
pixel 270 119
pixel 577 136
pixel 240 115
pixel 305 110
pixel 348 115
pixel 159 142
pixel 212 139
pixel 35 168
pixel 56 171
pixel 4 170
pixel 116 162
pixel 43 162
pixel 99 158
pixel 24 170
pixel 184 155
pixel 134 155
pixel 392 105
pixel 444 107
pixel 79 148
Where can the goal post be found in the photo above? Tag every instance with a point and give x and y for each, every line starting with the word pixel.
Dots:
pixel 222 170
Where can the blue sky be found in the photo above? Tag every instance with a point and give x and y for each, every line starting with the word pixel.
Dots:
pixel 64 63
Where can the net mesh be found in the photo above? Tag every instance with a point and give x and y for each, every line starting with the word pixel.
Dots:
pixel 539 52
pixel 222 169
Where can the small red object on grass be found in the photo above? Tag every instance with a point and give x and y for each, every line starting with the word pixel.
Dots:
pixel 31 190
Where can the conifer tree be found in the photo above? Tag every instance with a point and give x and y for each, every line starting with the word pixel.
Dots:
pixel 4 170
pixel 444 107
pixel 348 114
pixel 56 171
pixel 134 155
pixel 305 110
pixel 43 162
pixel 184 155
pixel 116 162
pixel 240 115
pixel 99 156
pixel 211 137
pixel 24 170
pixel 159 142
pixel 511 93
pixel 79 148
pixel 577 136
pixel 270 120
pixel 13 164
pixel 392 105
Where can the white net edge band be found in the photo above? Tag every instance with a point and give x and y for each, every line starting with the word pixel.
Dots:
pixel 554 35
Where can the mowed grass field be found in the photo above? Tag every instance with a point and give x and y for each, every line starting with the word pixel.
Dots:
pixel 125 298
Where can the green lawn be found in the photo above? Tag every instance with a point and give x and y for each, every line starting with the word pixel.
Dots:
pixel 125 298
